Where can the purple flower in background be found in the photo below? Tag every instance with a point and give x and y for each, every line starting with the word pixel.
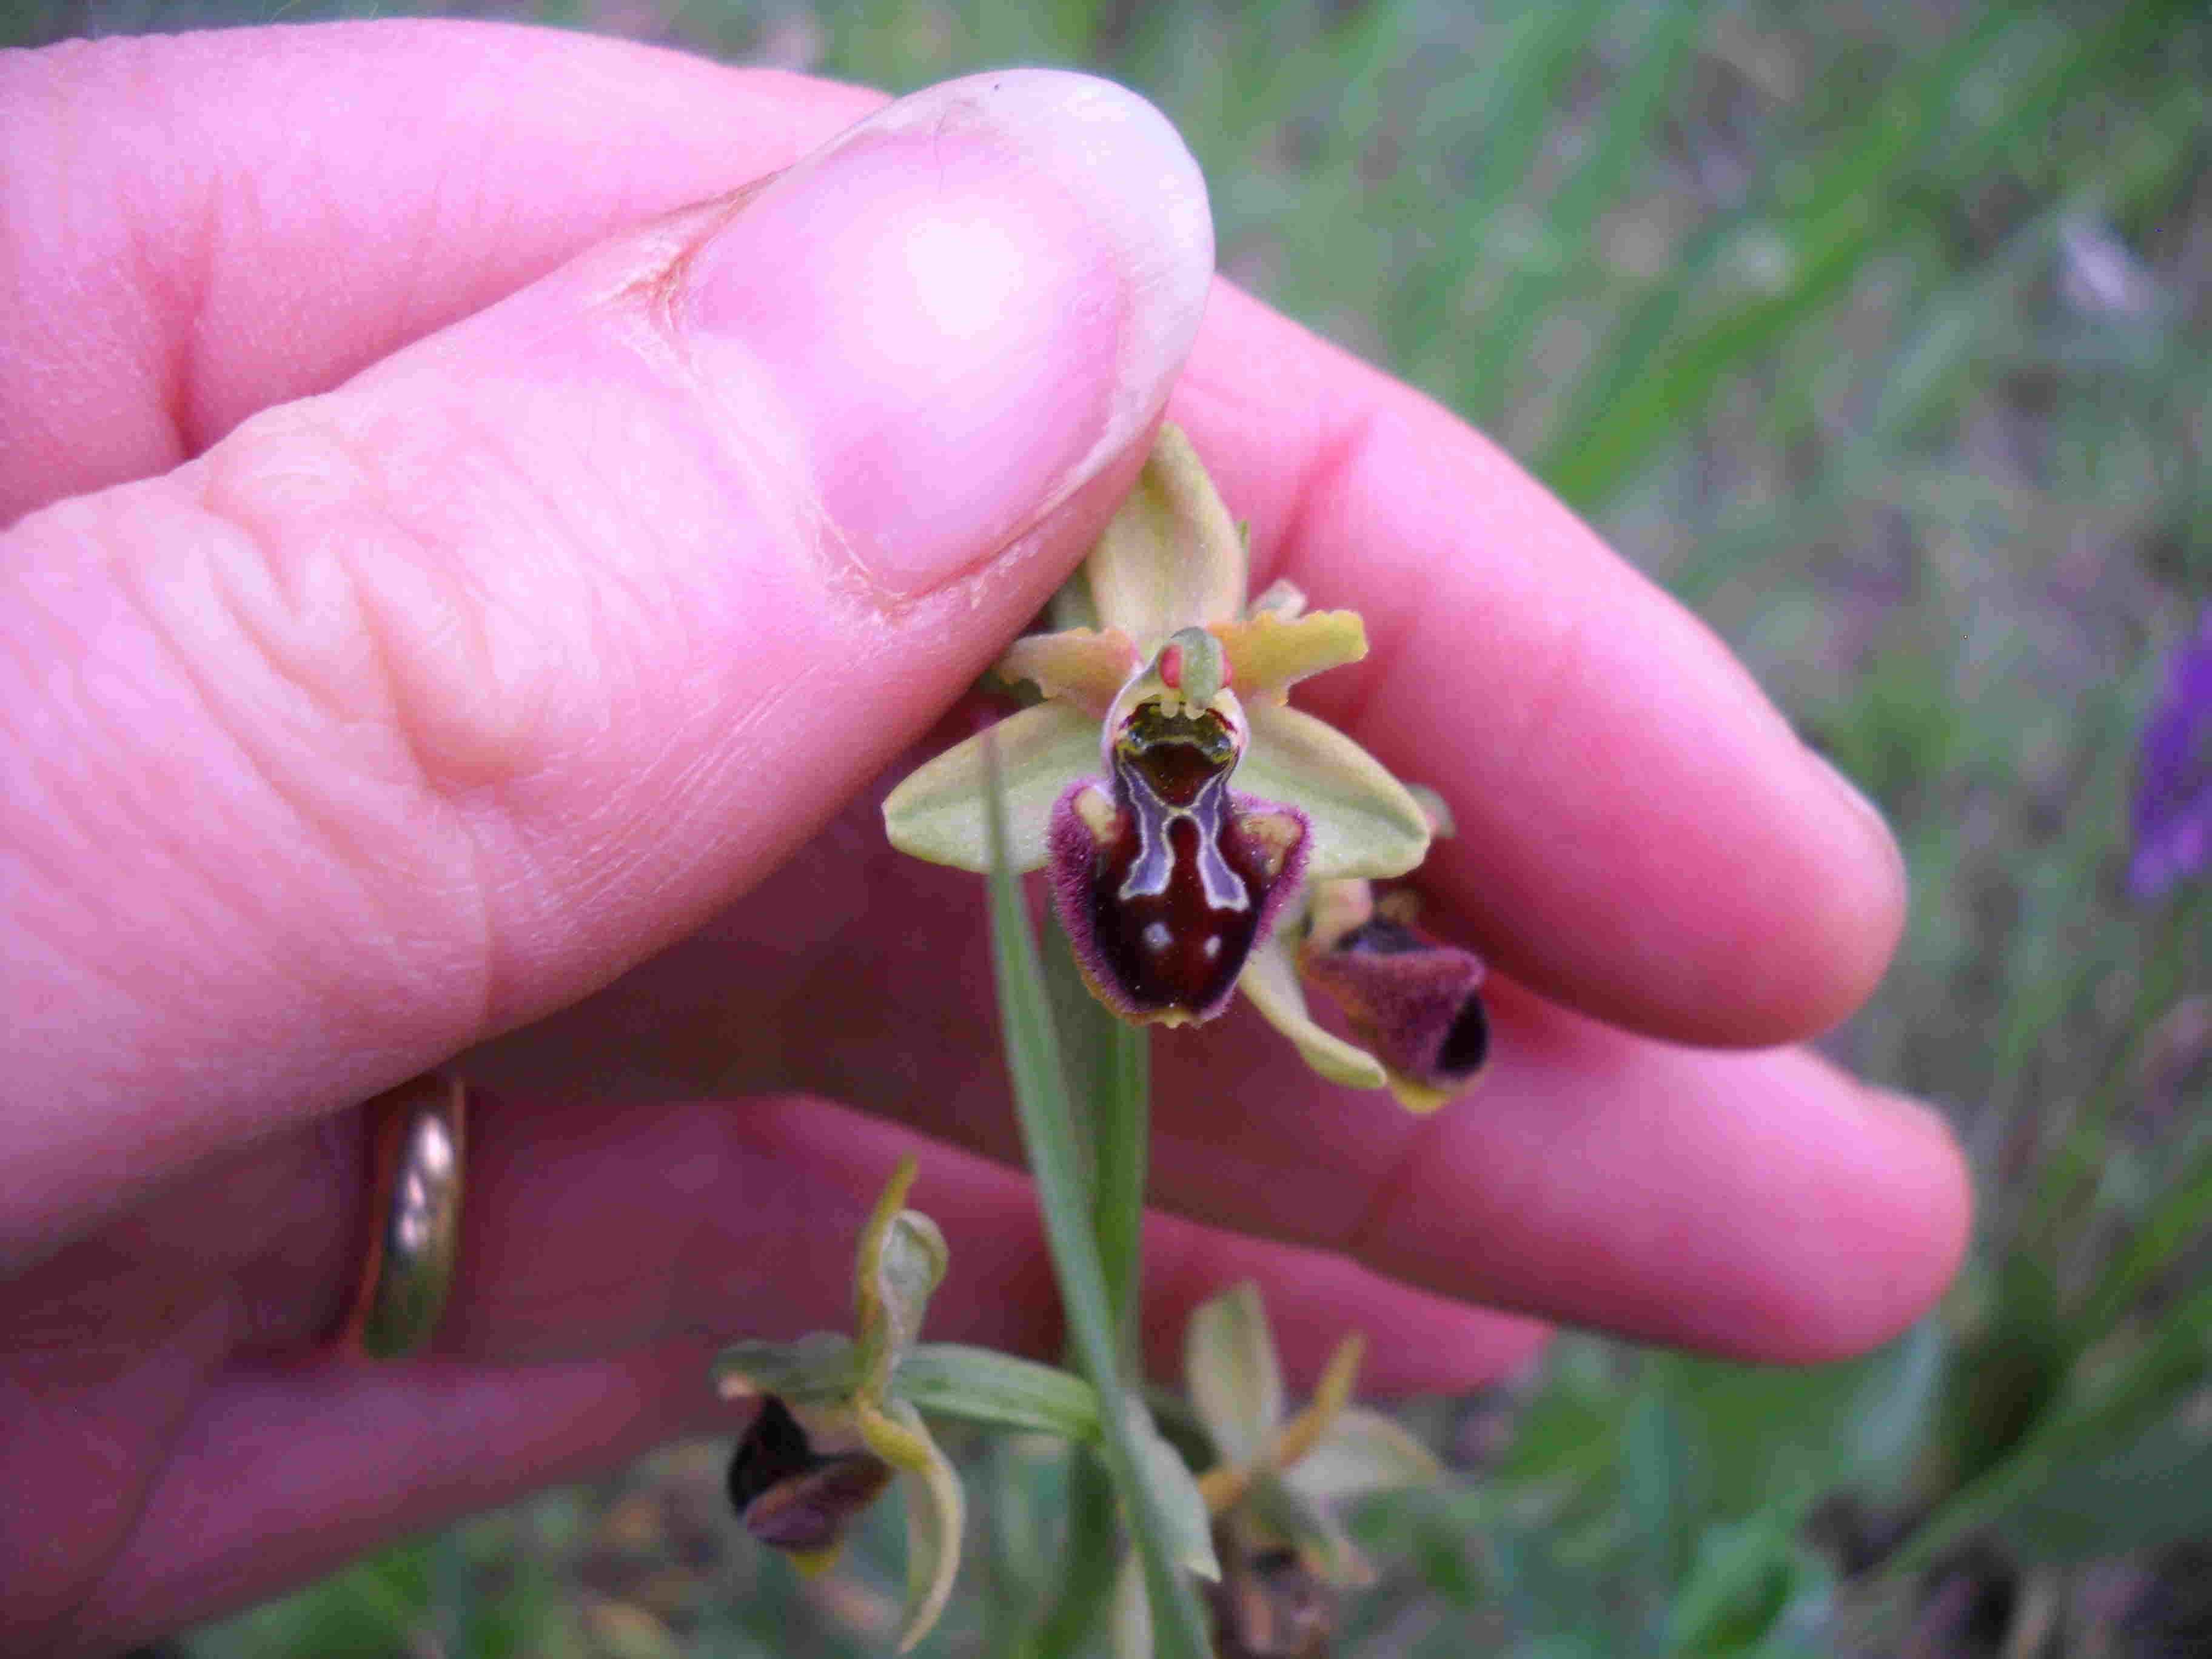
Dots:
pixel 2173 786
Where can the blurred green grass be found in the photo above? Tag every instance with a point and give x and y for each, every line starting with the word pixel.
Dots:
pixel 1880 334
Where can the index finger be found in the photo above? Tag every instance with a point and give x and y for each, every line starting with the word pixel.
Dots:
pixel 1639 832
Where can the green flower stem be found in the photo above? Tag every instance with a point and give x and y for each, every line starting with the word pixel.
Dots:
pixel 1049 1143
pixel 1091 1565
pixel 1120 1122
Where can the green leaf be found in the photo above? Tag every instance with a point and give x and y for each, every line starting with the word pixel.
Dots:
pixel 1364 822
pixel 1753 1591
pixel 1170 556
pixel 998 1391
pixel 1230 1369
pixel 938 810
pixel 1665 1484
pixel 2112 1497
pixel 1044 1117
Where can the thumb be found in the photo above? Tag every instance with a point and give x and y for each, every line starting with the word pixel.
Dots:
pixel 408 713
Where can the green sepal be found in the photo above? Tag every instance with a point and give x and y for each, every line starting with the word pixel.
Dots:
pixel 1270 981
pixel 1176 1500
pixel 937 812
pixel 935 1512
pixel 1364 823
pixel 1170 556
pixel 1230 1368
pixel 821 1367
pixel 1363 1452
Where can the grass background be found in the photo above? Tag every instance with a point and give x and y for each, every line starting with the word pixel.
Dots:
pixel 1879 333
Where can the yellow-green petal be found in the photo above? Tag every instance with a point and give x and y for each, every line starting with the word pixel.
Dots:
pixel 1084 665
pixel 1364 822
pixel 902 1260
pixel 1270 981
pixel 1170 556
pixel 1269 653
pixel 937 812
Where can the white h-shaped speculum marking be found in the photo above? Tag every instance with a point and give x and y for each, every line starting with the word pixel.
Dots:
pixel 1154 864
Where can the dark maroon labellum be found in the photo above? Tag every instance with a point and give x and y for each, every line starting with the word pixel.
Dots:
pixel 1413 1001
pixel 1176 900
pixel 793 1498
pixel 1269 1605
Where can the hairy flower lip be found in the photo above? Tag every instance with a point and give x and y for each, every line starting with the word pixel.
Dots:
pixel 1413 1001
pixel 793 1496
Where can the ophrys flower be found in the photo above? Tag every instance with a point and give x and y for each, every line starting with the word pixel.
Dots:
pixel 1178 799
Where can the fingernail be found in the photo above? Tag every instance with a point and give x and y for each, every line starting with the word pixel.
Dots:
pixel 956 314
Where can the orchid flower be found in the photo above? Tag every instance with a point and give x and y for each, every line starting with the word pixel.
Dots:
pixel 1274 1480
pixel 1167 685
pixel 832 1430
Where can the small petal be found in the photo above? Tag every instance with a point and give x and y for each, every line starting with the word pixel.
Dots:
pixel 1270 653
pixel 1170 557
pixel 902 1260
pixel 1364 823
pixel 937 812
pixel 935 1512
pixel 1331 1395
pixel 1270 982
pixel 1364 1451
pixel 1413 1001
pixel 1083 666
pixel 1230 1368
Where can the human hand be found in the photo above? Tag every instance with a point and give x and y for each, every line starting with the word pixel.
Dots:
pixel 534 680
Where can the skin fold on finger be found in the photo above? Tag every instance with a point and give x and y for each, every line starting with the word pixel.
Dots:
pixel 1759 1205
pixel 420 170
pixel 594 1227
